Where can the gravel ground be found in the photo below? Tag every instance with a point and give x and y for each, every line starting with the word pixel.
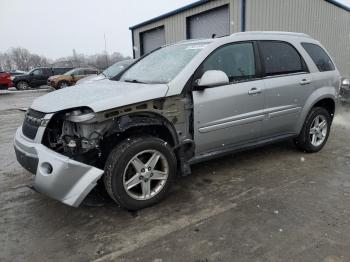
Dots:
pixel 269 204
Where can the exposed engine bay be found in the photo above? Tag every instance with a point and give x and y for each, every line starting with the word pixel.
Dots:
pixel 73 134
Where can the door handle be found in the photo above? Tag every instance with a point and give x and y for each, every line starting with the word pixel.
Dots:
pixel 254 91
pixel 304 82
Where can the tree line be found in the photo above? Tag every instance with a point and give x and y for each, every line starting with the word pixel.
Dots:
pixel 20 58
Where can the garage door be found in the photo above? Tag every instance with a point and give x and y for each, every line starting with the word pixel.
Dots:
pixel 152 39
pixel 204 25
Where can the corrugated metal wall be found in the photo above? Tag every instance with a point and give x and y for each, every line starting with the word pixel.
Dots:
pixel 323 21
pixel 175 26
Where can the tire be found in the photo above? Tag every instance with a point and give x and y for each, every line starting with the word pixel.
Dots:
pixel 62 84
pixel 22 85
pixel 305 140
pixel 131 194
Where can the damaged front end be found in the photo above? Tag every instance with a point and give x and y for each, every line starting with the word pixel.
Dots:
pixel 71 146
pixel 57 174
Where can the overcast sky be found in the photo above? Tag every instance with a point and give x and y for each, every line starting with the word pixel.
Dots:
pixel 54 28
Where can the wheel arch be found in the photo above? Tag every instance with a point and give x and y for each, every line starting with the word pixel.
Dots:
pixel 324 97
pixel 140 123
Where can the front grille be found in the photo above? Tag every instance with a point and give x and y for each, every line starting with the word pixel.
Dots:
pixel 31 123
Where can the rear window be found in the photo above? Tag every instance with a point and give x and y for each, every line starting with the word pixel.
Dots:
pixel 319 56
pixel 280 58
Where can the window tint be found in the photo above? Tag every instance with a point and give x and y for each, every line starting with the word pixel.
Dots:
pixel 46 71
pixel 236 60
pixel 280 58
pixel 319 56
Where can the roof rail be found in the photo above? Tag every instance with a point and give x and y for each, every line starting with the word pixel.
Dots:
pixel 272 33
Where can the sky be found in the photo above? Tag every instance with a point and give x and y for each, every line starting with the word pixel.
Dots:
pixel 54 28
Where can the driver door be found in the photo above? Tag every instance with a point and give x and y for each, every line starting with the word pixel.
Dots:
pixel 229 115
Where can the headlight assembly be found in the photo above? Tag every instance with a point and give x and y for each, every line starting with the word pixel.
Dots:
pixel 80 115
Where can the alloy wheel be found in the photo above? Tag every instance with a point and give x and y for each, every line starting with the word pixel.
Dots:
pixel 318 130
pixel 145 175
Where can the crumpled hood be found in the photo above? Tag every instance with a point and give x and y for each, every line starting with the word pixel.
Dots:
pixel 99 96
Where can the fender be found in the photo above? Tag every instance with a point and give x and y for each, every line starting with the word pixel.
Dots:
pixel 316 96
pixel 125 122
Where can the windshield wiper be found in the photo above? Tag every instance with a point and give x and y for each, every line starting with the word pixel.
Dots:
pixel 134 81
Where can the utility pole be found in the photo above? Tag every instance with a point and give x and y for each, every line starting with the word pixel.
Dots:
pixel 104 35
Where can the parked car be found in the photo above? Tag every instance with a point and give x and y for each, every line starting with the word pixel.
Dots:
pixel 109 73
pixel 345 90
pixel 71 77
pixel 14 73
pixel 179 105
pixel 5 80
pixel 37 77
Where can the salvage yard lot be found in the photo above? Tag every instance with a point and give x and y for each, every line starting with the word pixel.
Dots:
pixel 268 204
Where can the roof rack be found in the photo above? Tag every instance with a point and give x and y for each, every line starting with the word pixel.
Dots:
pixel 272 33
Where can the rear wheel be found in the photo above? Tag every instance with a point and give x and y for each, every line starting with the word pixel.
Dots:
pixel 315 132
pixel 22 85
pixel 139 172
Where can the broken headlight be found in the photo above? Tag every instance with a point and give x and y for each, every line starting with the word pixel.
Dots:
pixel 80 115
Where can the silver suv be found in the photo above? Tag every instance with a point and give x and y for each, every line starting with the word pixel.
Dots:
pixel 179 105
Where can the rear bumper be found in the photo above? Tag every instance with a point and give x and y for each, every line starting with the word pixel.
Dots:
pixel 67 180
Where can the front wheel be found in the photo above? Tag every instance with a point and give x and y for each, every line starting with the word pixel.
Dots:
pixel 315 132
pixel 22 85
pixel 62 84
pixel 139 172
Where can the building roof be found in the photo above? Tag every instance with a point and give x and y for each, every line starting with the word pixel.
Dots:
pixel 201 2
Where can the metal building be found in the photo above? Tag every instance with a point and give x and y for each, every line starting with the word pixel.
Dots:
pixel 326 20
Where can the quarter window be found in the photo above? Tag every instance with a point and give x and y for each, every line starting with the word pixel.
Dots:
pixel 319 56
pixel 280 58
pixel 236 60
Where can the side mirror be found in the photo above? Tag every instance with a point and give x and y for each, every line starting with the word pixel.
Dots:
pixel 212 78
pixel 345 83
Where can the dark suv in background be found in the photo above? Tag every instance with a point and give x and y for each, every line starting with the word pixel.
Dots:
pixel 37 77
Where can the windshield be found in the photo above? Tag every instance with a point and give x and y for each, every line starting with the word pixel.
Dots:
pixel 70 72
pixel 116 68
pixel 162 65
pixel 31 71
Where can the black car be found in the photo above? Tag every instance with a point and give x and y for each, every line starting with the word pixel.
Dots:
pixel 37 77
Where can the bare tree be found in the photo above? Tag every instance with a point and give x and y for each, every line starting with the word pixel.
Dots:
pixel 21 59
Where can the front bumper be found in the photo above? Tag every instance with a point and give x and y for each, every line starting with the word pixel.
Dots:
pixel 67 181
pixel 345 95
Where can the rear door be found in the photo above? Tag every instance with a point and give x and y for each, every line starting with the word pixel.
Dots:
pixel 288 84
pixel 232 114
pixel 39 77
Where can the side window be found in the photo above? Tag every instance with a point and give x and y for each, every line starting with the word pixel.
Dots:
pixel 78 72
pixel 89 72
pixel 58 71
pixel 46 71
pixel 319 56
pixel 280 58
pixel 236 60
pixel 38 72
